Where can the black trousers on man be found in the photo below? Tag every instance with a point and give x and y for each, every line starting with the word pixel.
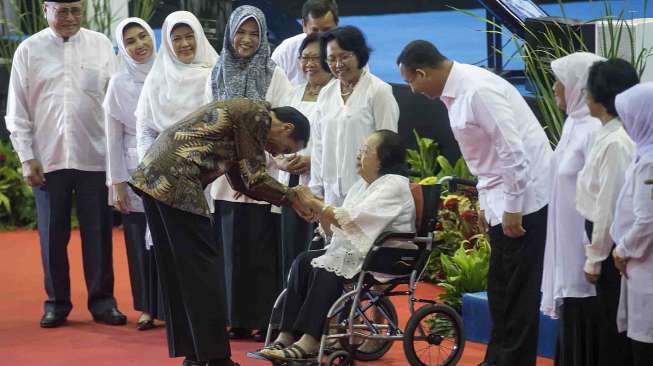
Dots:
pixel 54 203
pixel 192 280
pixel 514 282
pixel 310 294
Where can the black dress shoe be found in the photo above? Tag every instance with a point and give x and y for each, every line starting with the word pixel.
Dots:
pixel 51 320
pixel 484 363
pixel 259 336
pixel 111 317
pixel 192 362
pixel 222 362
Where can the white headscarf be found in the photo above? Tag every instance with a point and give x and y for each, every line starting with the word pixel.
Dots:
pixel 174 89
pixel 572 71
pixel 635 108
pixel 126 84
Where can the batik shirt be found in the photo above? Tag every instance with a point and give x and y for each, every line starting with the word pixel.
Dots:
pixel 226 137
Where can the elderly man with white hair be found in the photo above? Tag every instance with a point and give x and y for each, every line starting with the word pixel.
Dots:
pixel 55 117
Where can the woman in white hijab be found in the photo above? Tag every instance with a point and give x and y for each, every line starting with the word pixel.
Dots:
pixel 175 86
pixel 565 291
pixel 136 51
pixel 632 229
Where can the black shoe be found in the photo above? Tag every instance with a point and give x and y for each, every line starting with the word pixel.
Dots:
pixel 222 362
pixel 259 336
pixel 240 333
pixel 51 320
pixel 192 362
pixel 485 363
pixel 111 317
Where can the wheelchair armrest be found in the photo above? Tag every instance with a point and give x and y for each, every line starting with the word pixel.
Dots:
pixel 393 260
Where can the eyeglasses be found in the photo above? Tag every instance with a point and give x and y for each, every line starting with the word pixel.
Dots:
pixel 75 11
pixel 363 150
pixel 309 59
pixel 345 57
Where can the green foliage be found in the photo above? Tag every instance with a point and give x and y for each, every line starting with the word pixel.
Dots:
pixel 460 169
pixel 466 271
pixel 618 35
pixel 98 16
pixel 424 159
pixel 26 23
pixel 143 9
pixel 16 199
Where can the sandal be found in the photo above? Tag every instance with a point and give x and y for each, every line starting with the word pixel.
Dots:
pixel 274 346
pixel 145 324
pixel 296 353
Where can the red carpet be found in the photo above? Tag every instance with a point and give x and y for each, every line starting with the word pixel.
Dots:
pixel 83 342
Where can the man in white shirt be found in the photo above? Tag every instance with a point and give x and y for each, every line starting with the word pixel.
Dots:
pixel 317 16
pixel 55 117
pixel 507 149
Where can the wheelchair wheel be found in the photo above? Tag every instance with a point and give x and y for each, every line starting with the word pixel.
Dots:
pixel 434 336
pixel 380 347
pixel 340 358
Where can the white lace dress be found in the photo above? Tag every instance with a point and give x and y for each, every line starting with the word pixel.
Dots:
pixel 368 210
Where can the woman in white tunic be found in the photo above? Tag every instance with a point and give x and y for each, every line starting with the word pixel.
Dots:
pixel 349 109
pixel 296 234
pixel 632 230
pixel 596 196
pixel 175 86
pixel 565 291
pixel 136 50
pixel 379 202
pixel 247 229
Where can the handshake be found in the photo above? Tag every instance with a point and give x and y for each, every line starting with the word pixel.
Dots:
pixel 306 204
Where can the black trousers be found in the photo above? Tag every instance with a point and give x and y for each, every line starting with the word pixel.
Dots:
pixel 514 282
pixel 614 347
pixel 578 332
pixel 53 207
pixel 249 239
pixel 143 277
pixel 192 280
pixel 642 353
pixel 310 294
pixel 296 236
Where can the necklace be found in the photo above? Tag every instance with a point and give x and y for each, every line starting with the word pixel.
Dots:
pixel 347 89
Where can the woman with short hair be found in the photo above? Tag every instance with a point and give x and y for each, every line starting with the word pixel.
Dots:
pixel 597 188
pixel 355 105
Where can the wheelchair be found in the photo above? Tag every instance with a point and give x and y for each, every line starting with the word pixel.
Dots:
pixel 433 335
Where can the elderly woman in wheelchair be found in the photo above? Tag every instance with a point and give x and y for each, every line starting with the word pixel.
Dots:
pixel 379 202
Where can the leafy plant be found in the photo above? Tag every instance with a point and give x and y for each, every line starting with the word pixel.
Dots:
pixel 16 199
pixel 466 271
pixel 460 169
pixel 29 20
pixel 617 34
pixel 423 161
pixel 143 9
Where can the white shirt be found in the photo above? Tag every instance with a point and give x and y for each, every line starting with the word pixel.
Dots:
pixel 286 56
pixel 54 106
pixel 385 205
pixel 598 186
pixel 342 128
pixel 221 189
pixel 308 109
pixel 501 140
pixel 632 231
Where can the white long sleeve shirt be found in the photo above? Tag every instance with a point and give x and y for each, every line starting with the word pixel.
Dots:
pixel 286 56
pixel 598 186
pixel 501 140
pixel 54 106
pixel 632 231
pixel 342 128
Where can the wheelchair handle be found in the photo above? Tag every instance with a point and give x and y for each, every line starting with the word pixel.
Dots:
pixel 454 182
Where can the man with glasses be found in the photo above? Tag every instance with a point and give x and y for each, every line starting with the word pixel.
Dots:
pixel 317 16
pixel 54 114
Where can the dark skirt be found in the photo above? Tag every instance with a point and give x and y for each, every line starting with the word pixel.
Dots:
pixel 578 332
pixel 146 291
pixel 296 236
pixel 248 234
pixel 614 347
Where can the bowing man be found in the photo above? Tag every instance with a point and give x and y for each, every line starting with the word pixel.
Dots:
pixel 222 138
pixel 55 117
pixel 507 149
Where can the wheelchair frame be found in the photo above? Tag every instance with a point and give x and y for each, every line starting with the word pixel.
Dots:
pixel 363 285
